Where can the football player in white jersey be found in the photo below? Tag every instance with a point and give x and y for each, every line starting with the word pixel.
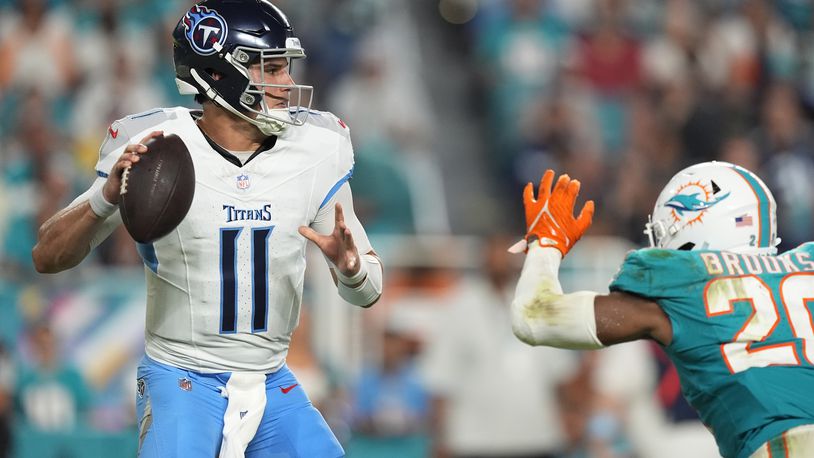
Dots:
pixel 224 288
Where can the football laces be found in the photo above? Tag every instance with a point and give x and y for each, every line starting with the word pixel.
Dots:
pixel 125 176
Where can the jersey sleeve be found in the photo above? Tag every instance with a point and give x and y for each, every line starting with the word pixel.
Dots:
pixel 113 145
pixel 129 129
pixel 119 134
pixel 340 171
pixel 343 162
pixel 659 274
pixel 337 170
pixel 325 220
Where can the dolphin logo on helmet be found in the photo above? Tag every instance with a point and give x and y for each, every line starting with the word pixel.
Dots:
pixel 691 203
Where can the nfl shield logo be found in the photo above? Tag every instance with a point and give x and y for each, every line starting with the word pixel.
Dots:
pixel 185 384
pixel 243 181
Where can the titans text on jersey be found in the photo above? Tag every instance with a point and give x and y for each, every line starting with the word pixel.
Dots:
pixel 239 214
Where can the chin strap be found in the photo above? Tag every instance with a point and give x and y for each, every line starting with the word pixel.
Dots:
pixel 266 126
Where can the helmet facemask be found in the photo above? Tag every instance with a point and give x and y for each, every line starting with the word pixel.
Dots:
pixel 254 100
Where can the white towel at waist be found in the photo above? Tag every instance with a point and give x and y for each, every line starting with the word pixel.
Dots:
pixel 247 402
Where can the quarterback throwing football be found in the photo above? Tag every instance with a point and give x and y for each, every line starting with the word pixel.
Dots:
pixel 224 288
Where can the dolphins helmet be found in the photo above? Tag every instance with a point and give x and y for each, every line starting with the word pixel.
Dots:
pixel 216 42
pixel 715 206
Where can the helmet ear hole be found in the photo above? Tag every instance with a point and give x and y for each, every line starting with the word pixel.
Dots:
pixel 216 75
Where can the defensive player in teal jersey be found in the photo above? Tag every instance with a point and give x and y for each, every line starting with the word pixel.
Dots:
pixel 733 315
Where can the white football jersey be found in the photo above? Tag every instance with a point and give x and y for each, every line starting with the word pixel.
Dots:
pixel 224 288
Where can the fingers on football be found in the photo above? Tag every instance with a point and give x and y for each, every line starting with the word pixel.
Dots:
pixel 134 149
pixel 131 154
pixel 126 160
pixel 151 135
pixel 130 158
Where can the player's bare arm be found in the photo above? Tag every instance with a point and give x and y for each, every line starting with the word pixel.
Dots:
pixel 541 313
pixel 622 317
pixel 66 238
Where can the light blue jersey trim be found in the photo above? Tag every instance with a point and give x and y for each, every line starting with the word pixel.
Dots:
pixel 147 253
pixel 336 187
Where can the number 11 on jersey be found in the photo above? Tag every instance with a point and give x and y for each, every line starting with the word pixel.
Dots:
pixel 229 278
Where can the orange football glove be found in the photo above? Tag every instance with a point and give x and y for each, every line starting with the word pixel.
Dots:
pixel 550 217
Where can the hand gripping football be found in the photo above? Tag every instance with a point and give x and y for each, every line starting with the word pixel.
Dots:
pixel 157 191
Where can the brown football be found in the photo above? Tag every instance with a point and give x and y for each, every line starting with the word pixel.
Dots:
pixel 157 190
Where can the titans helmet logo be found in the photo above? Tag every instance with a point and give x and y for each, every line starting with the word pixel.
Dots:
pixel 205 28
pixel 691 201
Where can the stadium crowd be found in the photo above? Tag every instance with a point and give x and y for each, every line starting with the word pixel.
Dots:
pixel 620 93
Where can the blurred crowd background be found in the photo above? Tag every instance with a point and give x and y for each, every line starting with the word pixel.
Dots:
pixel 453 106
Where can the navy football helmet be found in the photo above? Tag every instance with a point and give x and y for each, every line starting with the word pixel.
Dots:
pixel 217 41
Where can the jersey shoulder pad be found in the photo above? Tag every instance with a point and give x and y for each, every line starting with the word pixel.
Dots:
pixel 656 273
pixel 338 169
pixel 807 247
pixel 131 129
pixel 329 121
pixel 329 125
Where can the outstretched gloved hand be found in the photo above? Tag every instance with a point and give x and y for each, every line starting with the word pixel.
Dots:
pixel 550 216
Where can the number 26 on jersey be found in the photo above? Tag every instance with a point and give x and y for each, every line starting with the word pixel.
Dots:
pixel 795 293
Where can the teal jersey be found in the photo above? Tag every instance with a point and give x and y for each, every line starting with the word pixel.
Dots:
pixel 743 336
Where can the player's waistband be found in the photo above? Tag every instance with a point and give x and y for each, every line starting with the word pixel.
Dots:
pixel 797 442
pixel 281 376
pixel 250 355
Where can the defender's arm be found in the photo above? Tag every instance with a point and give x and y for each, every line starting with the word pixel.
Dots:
pixel 543 315
pixel 622 317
